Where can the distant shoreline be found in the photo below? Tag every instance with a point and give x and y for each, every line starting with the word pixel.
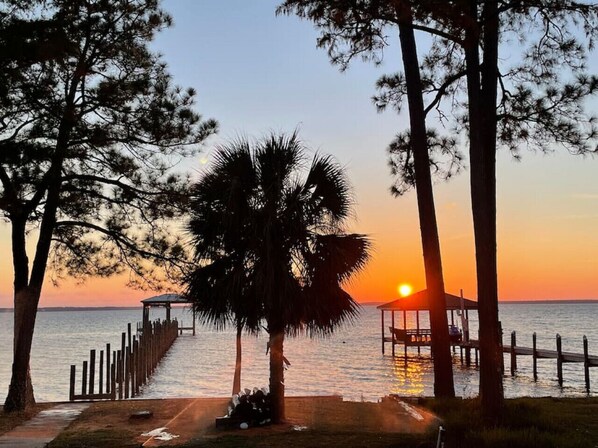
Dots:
pixel 519 302
pixel 78 308
pixel 119 308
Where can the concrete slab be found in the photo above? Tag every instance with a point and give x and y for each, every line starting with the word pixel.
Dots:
pixel 43 428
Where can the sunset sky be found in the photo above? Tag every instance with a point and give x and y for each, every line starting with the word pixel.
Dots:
pixel 256 72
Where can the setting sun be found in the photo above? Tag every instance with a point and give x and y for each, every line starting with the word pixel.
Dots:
pixel 404 289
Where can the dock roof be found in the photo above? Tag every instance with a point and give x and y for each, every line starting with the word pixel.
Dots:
pixel 164 299
pixel 418 301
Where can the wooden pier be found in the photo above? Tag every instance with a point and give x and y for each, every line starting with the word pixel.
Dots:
pixel 127 369
pixel 561 357
pixel 514 351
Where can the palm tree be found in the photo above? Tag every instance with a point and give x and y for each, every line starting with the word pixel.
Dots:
pixel 271 246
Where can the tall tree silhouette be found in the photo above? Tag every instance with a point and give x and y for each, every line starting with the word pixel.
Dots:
pixel 90 126
pixel 347 24
pixel 271 246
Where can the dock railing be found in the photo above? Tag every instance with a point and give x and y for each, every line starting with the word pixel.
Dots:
pixel 121 373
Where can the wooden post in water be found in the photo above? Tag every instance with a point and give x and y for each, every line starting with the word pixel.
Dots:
pixel 113 379
pixel 137 365
pixel 72 383
pixel 418 337
pixel 115 366
pixel 559 359
pixel 392 335
pixel 92 370
pixel 405 328
pixel 586 363
pixel 108 369
pixel 84 380
pixel 127 367
pixel 513 353
pixel 101 373
pixel 129 334
pixel 502 358
pixel 382 328
pixel 119 374
pixel 534 357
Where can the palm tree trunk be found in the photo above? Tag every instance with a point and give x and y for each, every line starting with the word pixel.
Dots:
pixel 277 376
pixel 237 377
pixel 443 368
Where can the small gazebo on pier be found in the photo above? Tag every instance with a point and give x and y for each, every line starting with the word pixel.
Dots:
pixel 165 301
pixel 418 337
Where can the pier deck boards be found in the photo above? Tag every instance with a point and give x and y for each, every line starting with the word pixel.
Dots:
pixel 540 353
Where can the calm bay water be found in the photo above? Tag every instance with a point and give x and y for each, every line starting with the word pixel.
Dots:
pixel 350 363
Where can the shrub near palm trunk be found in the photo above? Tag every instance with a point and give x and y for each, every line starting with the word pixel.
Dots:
pixel 271 247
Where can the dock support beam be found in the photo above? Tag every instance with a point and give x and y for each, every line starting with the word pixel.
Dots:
pixel 559 359
pixel 392 314
pixel 535 357
pixel 513 353
pixel 382 322
pixel 405 328
pixel 502 358
pixel 586 363
pixel 418 337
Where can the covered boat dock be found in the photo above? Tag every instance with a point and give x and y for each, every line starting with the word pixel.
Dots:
pixel 166 301
pixel 418 337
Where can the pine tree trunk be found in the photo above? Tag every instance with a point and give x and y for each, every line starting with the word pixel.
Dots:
pixel 482 122
pixel 27 294
pixel 443 368
pixel 277 376
pixel 491 384
pixel 237 377
pixel 20 392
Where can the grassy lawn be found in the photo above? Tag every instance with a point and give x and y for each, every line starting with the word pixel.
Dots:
pixel 325 421
pixel 529 423
pixel 309 439
pixel 10 421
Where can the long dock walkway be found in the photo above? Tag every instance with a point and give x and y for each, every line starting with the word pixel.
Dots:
pixel 43 428
pixel 539 353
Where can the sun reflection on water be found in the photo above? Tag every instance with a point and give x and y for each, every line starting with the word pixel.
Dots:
pixel 410 376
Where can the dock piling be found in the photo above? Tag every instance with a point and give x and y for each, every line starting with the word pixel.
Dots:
pixel 72 383
pixel 84 379
pixel 101 373
pixel 392 314
pixel 513 353
pixel 92 370
pixel 559 359
pixel 534 357
pixel 382 322
pixel 586 363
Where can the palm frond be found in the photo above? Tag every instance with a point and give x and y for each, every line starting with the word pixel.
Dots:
pixel 330 192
